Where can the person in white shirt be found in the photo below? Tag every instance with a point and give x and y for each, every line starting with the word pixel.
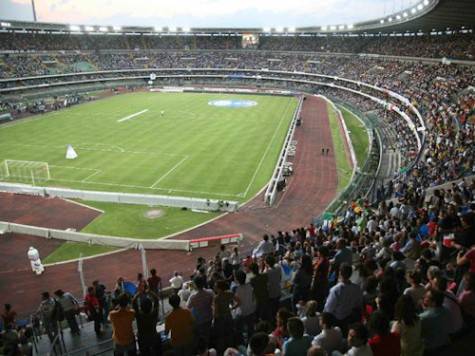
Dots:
pixel 310 319
pixel 330 338
pixel 264 248
pixel 176 282
pixel 246 307
pixel 357 341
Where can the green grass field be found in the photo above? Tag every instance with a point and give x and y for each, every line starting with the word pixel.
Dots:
pixel 343 165
pixel 193 149
pixel 359 137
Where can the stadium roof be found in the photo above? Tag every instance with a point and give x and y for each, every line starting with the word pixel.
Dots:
pixel 426 16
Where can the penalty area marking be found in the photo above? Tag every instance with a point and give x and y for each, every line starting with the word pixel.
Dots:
pixel 170 171
pixel 132 116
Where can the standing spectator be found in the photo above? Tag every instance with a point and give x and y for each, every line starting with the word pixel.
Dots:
pixel 122 331
pixel 146 313
pixel 302 281
pixel 49 315
pixel 93 310
pixel 180 324
pixel 311 320
pixel 408 327
pixel 154 282
pixel 330 338
pixel 357 341
pixel 435 322
pixel 261 292
pixel 235 259
pixel 245 317
pixel 384 342
pixel 8 315
pixel 223 301
pixel 321 268
pixel 298 343
pixel 100 293
pixel 200 305
pixel 274 283
pixel 345 300
pixel 467 298
pixel 141 283
pixel 71 307
pixel 223 253
pixel 451 304
pixel 416 290
pixel 343 255
pixel 176 282
pixel 264 248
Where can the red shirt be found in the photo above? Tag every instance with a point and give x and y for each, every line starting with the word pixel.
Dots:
pixel 471 257
pixel 91 302
pixel 388 345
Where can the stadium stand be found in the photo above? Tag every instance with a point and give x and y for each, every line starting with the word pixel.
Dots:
pixel 405 254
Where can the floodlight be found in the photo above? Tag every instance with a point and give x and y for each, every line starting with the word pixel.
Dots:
pixel 185 29
pixel 390 19
pixel 88 28
pixel 117 28
pixel 74 28
pixel 341 27
pixel 398 17
pixel 157 28
pixel 324 28
pixel 171 29
pixel 350 26
pixel 426 2
pixel 382 21
pixel 420 6
pixel 103 29
pixel 405 14
pixel 414 10
pixel 279 29
pixel 332 28
pixel 291 29
pixel 5 24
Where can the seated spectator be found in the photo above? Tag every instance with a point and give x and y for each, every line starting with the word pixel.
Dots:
pixel 298 343
pixel 435 322
pixel 384 342
pixel 281 332
pixel 180 324
pixel 122 331
pixel 408 327
pixel 330 338
pixel 311 320
pixel 258 344
pixel 316 351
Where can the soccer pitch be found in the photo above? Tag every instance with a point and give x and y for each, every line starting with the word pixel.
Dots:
pixel 157 143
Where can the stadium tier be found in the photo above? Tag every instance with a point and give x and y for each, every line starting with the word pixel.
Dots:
pixel 367 246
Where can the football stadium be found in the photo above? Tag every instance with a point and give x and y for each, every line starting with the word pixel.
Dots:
pixel 237 178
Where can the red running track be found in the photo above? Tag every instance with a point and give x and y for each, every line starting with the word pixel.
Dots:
pixel 309 191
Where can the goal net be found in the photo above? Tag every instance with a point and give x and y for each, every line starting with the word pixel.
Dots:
pixel 24 171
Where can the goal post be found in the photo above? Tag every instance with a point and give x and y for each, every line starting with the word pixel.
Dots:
pixel 25 171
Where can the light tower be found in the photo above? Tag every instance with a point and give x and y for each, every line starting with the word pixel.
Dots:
pixel 34 9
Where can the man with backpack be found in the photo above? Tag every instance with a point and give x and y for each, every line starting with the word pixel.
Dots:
pixel 50 313
pixel 70 307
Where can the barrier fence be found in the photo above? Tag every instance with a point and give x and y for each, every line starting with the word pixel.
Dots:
pixel 123 198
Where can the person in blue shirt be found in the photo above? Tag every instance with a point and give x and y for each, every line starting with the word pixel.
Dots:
pixel 298 343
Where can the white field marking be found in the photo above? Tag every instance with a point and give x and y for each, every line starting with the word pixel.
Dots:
pixel 97 171
pixel 170 171
pixel 145 187
pixel 267 149
pixel 132 116
pixel 121 150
